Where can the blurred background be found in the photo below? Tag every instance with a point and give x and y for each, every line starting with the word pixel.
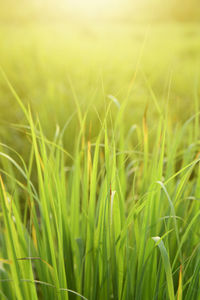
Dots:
pixel 54 52
pixel 126 10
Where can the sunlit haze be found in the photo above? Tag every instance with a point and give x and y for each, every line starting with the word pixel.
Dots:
pixel 93 8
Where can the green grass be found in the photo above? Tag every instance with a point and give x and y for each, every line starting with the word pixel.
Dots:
pixel 105 205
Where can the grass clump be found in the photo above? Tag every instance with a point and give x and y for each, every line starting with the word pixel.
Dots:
pixel 90 229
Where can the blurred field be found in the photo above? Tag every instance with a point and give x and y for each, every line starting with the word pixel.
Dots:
pixel 47 63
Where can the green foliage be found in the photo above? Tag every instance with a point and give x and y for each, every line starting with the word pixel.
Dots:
pixel 86 231
pixel 99 161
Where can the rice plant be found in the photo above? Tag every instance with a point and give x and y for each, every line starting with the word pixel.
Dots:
pixel 109 220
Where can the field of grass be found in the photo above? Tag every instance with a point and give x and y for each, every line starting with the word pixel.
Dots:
pixel 99 161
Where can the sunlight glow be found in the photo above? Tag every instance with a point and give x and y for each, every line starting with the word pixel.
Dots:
pixel 94 8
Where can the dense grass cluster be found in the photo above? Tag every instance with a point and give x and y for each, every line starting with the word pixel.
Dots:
pixel 117 223
pixel 99 161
